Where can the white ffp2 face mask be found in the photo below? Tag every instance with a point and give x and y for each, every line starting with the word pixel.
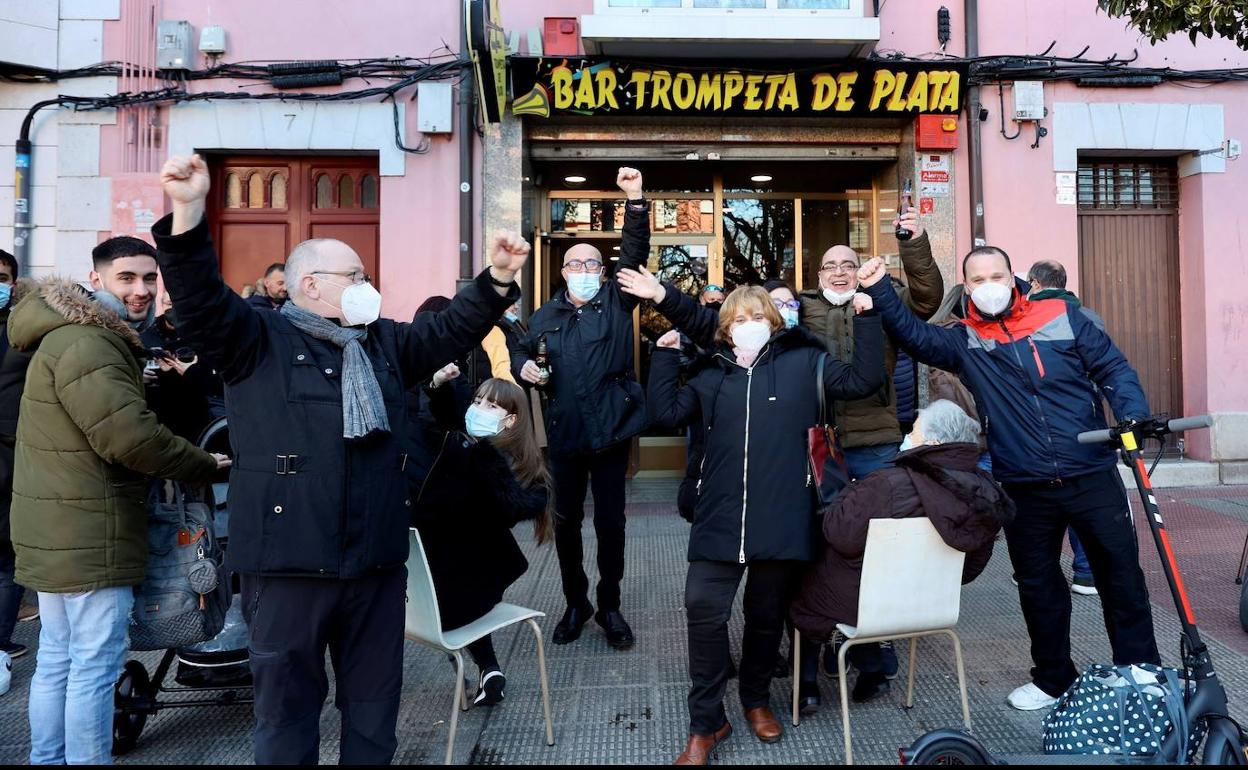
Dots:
pixel 992 299
pixel 839 298
pixel 751 335
pixel 361 304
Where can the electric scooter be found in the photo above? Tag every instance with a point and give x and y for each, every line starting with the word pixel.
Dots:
pixel 1224 742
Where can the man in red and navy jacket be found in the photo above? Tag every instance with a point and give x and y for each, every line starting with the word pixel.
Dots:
pixel 1032 367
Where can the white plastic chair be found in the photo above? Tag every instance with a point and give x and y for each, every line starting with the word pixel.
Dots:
pixel 911 587
pixel 424 625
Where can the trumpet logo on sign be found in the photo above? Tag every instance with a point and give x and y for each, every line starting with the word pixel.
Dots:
pixel 546 87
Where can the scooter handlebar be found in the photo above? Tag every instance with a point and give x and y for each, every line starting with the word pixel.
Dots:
pixel 1177 425
pixel 1181 424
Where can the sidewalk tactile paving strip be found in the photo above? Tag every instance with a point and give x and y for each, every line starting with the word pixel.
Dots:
pixel 629 707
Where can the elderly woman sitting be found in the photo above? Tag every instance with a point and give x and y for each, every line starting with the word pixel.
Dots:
pixel 935 475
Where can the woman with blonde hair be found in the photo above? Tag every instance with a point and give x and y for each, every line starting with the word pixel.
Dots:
pixel 754 396
pixel 487 476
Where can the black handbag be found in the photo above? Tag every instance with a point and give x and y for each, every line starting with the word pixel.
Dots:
pixel 829 473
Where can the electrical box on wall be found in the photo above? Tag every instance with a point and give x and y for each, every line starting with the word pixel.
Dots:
pixel 560 36
pixel 434 106
pixel 936 132
pixel 174 48
pixel 1028 100
pixel 212 40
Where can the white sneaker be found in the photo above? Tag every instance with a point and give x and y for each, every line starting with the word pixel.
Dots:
pixel 1030 698
pixel 1083 587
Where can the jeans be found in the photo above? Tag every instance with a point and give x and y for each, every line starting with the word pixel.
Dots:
pixel 10 593
pixel 1095 506
pixel 710 588
pixel 1080 568
pixel 606 471
pixel 82 646
pixel 291 622
pixel 864 460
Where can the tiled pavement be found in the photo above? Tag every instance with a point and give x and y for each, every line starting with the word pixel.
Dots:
pixel 629 707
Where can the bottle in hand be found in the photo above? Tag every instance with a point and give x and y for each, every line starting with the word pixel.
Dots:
pixel 543 358
pixel 907 202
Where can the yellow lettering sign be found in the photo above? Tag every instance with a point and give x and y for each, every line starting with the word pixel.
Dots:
pixel 734 83
pixel 585 96
pixel 825 91
pixel 662 82
pixel 936 84
pixel 606 88
pixel 753 84
pixel 684 90
pixel 896 102
pixel 844 90
pixel 949 99
pixel 639 80
pixel 709 94
pixel 885 82
pixel 788 93
pixel 561 84
pixel 917 100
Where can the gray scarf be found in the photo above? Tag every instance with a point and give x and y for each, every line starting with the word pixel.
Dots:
pixel 363 408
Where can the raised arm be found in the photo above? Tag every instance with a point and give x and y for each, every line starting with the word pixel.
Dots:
pixel 219 323
pixel 668 404
pixel 635 237
pixel 932 345
pixel 1108 368
pixel 923 279
pixel 698 322
pixel 432 339
pixel 866 374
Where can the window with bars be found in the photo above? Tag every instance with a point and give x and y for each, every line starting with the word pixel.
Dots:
pixel 1119 184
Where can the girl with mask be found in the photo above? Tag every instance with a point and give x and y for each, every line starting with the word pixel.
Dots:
pixel 754 398
pixel 487 476
pixel 785 300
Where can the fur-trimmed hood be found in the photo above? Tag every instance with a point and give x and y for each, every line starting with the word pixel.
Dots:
pixel 55 302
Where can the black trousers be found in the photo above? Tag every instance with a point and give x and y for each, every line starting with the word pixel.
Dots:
pixel 710 588
pixel 1096 507
pixel 605 471
pixel 292 620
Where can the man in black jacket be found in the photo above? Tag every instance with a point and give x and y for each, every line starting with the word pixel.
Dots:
pixel 595 407
pixel 13 365
pixel 185 393
pixel 275 292
pixel 318 498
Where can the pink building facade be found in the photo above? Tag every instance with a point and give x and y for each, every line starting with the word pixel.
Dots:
pixel 1130 188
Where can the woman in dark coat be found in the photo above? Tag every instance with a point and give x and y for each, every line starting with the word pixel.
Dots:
pixel 935 475
pixel 487 475
pixel 754 398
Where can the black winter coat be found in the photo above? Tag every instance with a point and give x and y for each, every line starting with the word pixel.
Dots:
pixel 261 302
pixel 184 403
pixel 13 364
pixel 465 508
pixel 755 500
pixel 303 500
pixel 594 400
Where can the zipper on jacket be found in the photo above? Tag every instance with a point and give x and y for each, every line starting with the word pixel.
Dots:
pixel 1035 395
pixel 745 469
pixel 441 450
pixel 1035 352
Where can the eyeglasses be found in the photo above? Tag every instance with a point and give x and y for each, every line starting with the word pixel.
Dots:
pixel 355 276
pixel 790 305
pixel 838 267
pixel 583 265
pixel 713 287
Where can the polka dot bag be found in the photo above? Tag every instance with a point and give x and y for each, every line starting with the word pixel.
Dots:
pixel 1120 710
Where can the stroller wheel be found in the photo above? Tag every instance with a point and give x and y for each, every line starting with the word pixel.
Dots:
pixel 950 751
pixel 129 706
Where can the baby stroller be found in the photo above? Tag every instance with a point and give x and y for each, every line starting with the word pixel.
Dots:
pixel 217 669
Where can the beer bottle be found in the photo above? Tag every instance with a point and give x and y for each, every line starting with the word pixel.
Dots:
pixel 543 358
pixel 907 203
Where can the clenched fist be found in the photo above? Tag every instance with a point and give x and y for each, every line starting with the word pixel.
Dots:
pixel 185 180
pixel 445 375
pixel 508 253
pixel 871 272
pixel 910 221
pixel 670 340
pixel 532 374
pixel 629 180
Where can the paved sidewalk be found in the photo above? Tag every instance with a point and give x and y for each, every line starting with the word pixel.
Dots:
pixel 629 707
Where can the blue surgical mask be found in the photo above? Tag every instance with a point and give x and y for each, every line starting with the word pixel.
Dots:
pixel 790 317
pixel 6 293
pixel 584 286
pixel 481 423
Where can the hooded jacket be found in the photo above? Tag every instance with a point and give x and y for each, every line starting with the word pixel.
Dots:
pixel 940 482
pixel 755 498
pixel 1037 373
pixel 86 445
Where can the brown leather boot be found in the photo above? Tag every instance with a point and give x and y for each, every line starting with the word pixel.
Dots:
pixel 700 746
pixel 765 725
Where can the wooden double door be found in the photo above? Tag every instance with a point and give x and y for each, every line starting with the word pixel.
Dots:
pixel 261 207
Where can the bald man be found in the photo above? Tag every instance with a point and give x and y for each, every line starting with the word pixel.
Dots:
pixel 595 407
pixel 868 428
